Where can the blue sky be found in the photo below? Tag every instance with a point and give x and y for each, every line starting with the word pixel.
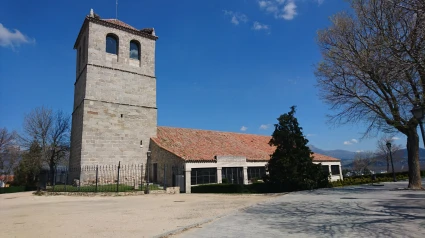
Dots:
pixel 221 65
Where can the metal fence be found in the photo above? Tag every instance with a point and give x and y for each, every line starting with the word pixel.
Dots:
pixel 112 178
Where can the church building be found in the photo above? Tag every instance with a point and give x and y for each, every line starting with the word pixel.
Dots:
pixel 115 116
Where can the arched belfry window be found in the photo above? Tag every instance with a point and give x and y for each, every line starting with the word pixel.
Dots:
pixel 112 44
pixel 134 50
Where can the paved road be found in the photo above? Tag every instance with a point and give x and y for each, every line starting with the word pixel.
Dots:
pixel 359 211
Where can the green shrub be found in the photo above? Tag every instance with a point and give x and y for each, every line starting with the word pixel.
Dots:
pixel 17 189
pixel 365 179
pixel 235 188
pixel 274 188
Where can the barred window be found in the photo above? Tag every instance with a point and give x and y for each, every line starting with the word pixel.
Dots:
pixel 203 176
pixel 325 168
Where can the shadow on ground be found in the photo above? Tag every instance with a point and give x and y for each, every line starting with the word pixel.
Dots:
pixel 352 212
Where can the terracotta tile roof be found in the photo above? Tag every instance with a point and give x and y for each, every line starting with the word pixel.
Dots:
pixel 324 158
pixel 7 178
pixel 204 145
pixel 119 23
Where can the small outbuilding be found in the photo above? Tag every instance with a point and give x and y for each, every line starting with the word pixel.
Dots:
pixel 206 157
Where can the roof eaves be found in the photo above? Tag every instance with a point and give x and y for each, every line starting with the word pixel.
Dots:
pixel 327 160
pixel 112 25
pixel 257 160
pixel 120 27
pixel 162 147
pixel 200 161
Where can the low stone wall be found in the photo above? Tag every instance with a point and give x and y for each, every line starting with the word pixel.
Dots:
pixel 89 194
pixel 169 190
pixel 173 190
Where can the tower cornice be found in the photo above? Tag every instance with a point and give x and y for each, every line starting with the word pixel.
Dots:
pixel 102 22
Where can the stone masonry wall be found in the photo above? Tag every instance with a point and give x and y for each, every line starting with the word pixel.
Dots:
pixel 80 89
pixel 114 100
pixel 78 111
pixel 163 157
pixel 76 137
pixel 113 132
pixel 98 56
pixel 116 86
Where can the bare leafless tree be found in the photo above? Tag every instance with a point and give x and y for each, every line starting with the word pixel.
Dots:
pixel 9 152
pixel 373 69
pixel 50 130
pixel 362 161
pixel 383 153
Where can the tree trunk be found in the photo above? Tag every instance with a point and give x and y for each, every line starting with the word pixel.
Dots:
pixel 415 180
pixel 52 174
pixel 388 163
pixel 52 171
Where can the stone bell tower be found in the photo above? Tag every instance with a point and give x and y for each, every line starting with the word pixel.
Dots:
pixel 115 112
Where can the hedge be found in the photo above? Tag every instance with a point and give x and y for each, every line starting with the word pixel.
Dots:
pixel 235 188
pixel 17 189
pixel 366 179
pixel 268 188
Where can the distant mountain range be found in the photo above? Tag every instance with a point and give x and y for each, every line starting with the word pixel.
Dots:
pixel 347 159
pixel 350 155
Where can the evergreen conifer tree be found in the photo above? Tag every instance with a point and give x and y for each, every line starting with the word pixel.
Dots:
pixel 291 165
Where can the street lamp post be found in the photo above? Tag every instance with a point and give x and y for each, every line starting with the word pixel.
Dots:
pixel 419 113
pixel 391 157
pixel 52 167
pixel 148 154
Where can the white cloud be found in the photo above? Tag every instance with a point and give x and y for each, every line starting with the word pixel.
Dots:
pixel 350 142
pixel 258 26
pixel 284 9
pixel 289 11
pixel 320 1
pixel 264 126
pixel 12 38
pixel 359 151
pixel 236 17
pixel 395 138
pixel 244 128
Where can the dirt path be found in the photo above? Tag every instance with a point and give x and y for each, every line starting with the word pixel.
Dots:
pixel 25 215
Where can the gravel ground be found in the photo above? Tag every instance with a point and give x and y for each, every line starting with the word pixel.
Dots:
pixel 26 215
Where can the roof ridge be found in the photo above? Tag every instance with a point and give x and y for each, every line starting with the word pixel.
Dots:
pixel 194 129
pixel 117 22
